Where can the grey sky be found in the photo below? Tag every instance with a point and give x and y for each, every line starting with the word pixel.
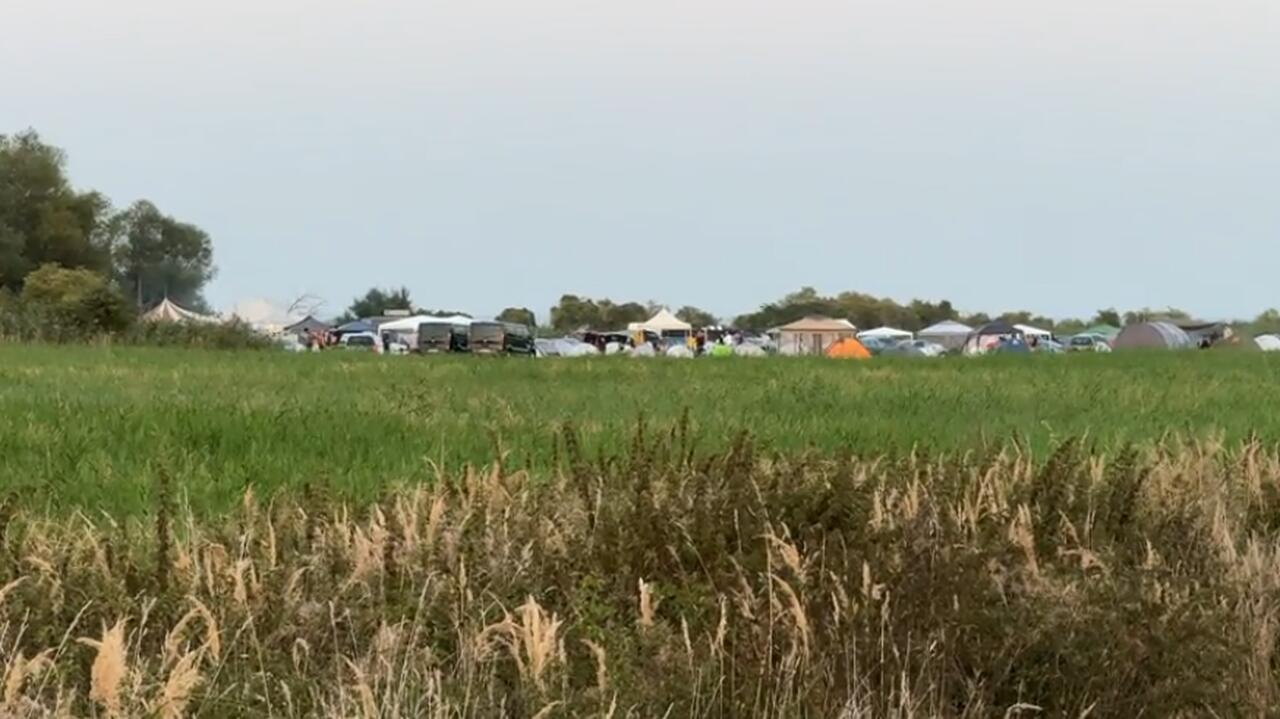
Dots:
pixel 1003 154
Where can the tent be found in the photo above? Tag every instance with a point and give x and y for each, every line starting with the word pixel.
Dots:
pixel 948 333
pixel 813 335
pixel 662 323
pixel 410 324
pixel 307 324
pixel 1268 343
pixel 679 351
pixel 848 348
pixel 750 349
pixel 985 338
pixel 720 350
pixel 888 333
pixel 356 326
pixel 1153 335
pixel 1104 331
pixel 168 311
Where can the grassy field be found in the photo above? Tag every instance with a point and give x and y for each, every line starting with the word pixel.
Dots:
pixel 1050 536
pixel 93 427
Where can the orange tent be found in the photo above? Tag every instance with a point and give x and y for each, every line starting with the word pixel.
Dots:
pixel 849 348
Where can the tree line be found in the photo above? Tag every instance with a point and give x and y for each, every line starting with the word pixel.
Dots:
pixel 574 313
pixel 72 255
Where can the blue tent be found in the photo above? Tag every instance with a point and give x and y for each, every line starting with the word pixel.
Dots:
pixel 357 326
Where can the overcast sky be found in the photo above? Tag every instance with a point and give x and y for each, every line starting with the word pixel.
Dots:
pixel 1003 154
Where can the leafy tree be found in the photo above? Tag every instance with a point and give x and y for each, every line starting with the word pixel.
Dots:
pixel 518 315
pixel 697 317
pixel 42 219
pixel 376 302
pixel 161 257
pixel 1267 322
pixel 573 313
pixel 616 317
pixel 77 300
pixel 1108 316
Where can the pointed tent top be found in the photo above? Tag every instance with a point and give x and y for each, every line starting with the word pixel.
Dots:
pixel 886 332
pixel 1030 331
pixel 661 322
pixel 947 327
pixel 818 324
pixel 168 311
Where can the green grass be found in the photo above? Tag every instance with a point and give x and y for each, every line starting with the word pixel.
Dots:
pixel 91 428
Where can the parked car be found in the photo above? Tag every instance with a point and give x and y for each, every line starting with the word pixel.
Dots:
pixel 501 338
pixel 1089 343
pixel 367 341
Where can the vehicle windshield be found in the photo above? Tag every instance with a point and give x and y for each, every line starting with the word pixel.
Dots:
pixel 1081 341
pixel 434 331
pixel 360 341
pixel 486 332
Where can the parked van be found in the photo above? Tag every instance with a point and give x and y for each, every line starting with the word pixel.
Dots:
pixel 501 338
pixel 441 337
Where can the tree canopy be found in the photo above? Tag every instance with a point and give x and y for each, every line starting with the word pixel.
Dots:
pixel 161 257
pixel 518 315
pixel 573 313
pixel 697 317
pixel 377 301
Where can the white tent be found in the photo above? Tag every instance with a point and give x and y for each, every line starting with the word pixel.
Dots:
pixel 948 333
pixel 167 311
pixel 1029 331
pixel 410 324
pixel 889 333
pixel 1268 343
pixel 661 323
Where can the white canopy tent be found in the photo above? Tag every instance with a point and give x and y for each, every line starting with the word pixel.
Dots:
pixel 662 323
pixel 410 324
pixel 889 333
pixel 167 311
pixel 1029 331
pixel 948 333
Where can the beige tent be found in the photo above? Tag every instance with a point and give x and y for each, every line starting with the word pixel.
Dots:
pixel 813 335
pixel 663 323
pixel 167 311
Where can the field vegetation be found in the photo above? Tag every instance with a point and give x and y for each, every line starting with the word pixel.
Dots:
pixel 93 427
pixel 224 534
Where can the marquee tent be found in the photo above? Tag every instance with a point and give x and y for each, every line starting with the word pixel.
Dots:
pixel 888 333
pixel 410 324
pixel 848 348
pixel 168 311
pixel 662 323
pixel 1153 335
pixel 948 333
pixel 813 335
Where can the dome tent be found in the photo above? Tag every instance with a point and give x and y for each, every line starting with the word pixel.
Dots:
pixel 848 348
pixel 988 336
pixel 1268 343
pixel 1153 335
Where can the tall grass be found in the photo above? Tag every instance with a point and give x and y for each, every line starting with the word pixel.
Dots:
pixel 92 427
pixel 672 581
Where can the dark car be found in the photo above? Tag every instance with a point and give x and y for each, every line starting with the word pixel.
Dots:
pixel 501 338
pixel 441 337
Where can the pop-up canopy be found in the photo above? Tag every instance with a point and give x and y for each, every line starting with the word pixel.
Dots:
pixel 661 323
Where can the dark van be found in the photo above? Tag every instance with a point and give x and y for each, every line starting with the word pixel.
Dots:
pixel 501 338
pixel 441 337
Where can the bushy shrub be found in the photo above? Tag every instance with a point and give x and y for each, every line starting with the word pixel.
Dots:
pixel 233 334
pixel 61 304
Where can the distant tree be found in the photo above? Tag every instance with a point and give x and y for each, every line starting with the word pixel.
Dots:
pixel 1108 316
pixel 617 317
pixel 697 317
pixel 42 219
pixel 1267 322
pixel 79 300
pixel 376 302
pixel 573 313
pixel 518 315
pixel 159 257
pixel 1146 314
